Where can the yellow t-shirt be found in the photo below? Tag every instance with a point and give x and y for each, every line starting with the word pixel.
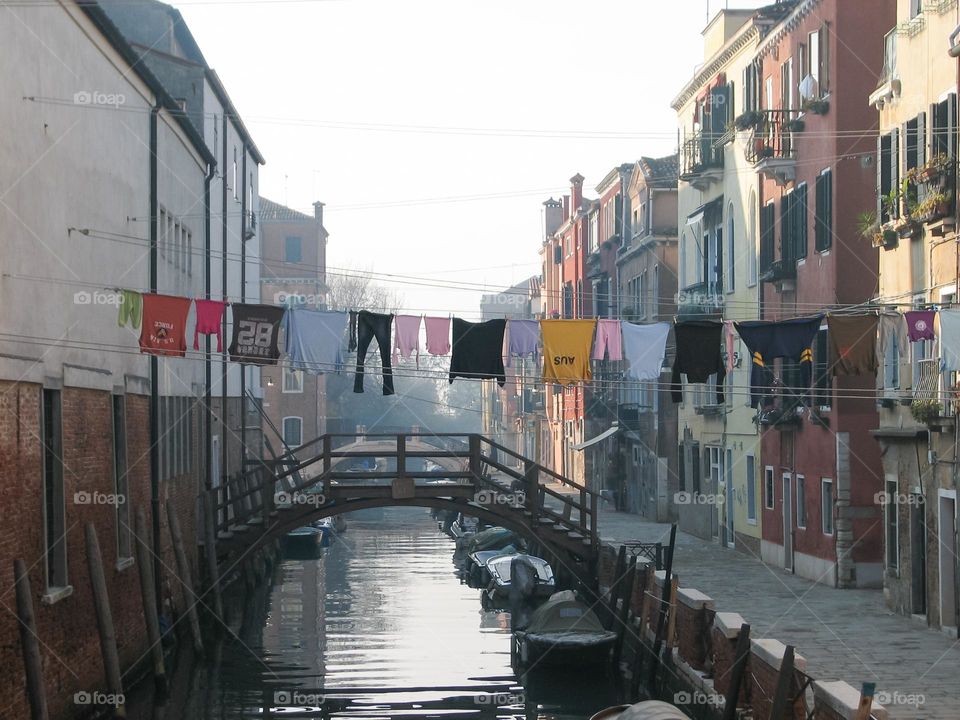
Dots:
pixel 566 350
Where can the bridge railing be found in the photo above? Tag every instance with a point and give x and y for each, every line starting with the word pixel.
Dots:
pixel 249 498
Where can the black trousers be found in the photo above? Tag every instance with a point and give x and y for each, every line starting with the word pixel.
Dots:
pixel 374 325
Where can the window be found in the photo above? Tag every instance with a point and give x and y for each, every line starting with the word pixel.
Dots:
pixel 120 483
pixel 656 293
pixel 715 464
pixel 813 57
pixel 641 295
pixel 891 510
pixel 822 382
pixel 916 7
pixel 234 178
pixel 292 380
pixel 768 487
pixel 54 510
pixel 914 148
pixel 823 53
pixel 292 249
pixel 801 503
pixel 793 224
pixel 888 174
pixel 695 475
pixel 786 85
pixel 293 432
pixel 943 119
pixel 826 505
pixel 730 250
pixel 751 490
pixel 176 433
pixel 823 220
pixel 891 365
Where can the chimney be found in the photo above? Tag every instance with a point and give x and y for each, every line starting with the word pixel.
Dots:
pixel 576 191
pixel 552 216
pixel 566 208
pixel 318 212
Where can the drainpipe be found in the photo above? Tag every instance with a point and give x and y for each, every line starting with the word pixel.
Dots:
pixel 243 298
pixel 955 53
pixel 154 360
pixel 208 362
pixel 223 270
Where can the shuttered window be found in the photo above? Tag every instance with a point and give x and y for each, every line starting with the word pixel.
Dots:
pixel 823 218
pixel 767 219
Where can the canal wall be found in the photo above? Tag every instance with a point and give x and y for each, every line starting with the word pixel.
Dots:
pixel 698 643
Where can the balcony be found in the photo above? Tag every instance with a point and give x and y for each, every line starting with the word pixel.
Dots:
pixel 771 147
pixel 634 417
pixel 782 273
pixel 934 394
pixel 701 160
pixel 703 300
pixel 889 86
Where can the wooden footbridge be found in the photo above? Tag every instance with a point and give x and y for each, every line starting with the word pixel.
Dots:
pixel 463 473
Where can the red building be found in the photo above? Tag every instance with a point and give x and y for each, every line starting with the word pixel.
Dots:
pixel 821 465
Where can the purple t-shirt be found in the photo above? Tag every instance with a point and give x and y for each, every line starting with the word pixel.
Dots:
pixel 920 325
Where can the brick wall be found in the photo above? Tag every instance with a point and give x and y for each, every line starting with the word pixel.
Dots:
pixel 765 657
pixel 724 631
pixel 67 629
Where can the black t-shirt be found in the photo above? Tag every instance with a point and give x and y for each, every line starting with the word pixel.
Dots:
pixel 256 329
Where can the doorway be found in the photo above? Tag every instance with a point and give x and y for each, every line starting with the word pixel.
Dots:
pixel 918 556
pixel 947 532
pixel 787 523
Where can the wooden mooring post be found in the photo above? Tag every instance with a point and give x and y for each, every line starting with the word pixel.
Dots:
pixel 622 617
pixel 190 598
pixel 32 664
pixel 150 601
pixel 108 634
pixel 737 673
pixel 664 608
pixel 784 681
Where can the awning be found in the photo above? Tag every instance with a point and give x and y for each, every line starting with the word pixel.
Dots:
pixel 708 208
pixel 593 441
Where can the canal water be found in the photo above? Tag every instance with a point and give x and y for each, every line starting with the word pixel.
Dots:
pixel 379 626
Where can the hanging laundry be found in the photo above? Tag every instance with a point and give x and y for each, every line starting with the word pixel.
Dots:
pixel 314 339
pixel 438 335
pixel 950 339
pixel 353 331
pixel 164 325
pixel 523 339
pixel 920 324
pixel 699 355
pixel 406 337
pixel 209 321
pixel 853 343
pixel 369 326
pixel 767 341
pixel 644 347
pixel 478 350
pixel 893 331
pixel 729 344
pixel 256 331
pixel 131 309
pixel 608 339
pixel 566 350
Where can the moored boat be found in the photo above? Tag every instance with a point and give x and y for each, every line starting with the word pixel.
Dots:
pixel 536 581
pixel 562 632
pixel 303 543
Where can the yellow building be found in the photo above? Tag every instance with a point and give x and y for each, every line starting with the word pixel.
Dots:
pixel 719 446
pixel 914 227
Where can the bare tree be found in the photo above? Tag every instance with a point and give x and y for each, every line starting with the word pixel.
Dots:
pixel 356 290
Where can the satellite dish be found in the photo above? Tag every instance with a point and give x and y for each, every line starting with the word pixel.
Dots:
pixel 808 87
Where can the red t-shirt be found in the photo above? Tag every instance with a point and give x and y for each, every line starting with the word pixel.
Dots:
pixel 164 327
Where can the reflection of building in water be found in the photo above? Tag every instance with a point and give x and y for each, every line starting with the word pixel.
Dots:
pixel 297 621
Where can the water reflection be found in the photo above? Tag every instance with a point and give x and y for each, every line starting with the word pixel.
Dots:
pixel 378 627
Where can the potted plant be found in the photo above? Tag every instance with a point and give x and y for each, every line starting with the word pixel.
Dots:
pixel 816 106
pixel 870 229
pixel 926 410
pixel 935 205
pixel 748 119
pixel 765 151
pixel 794 125
pixel 936 167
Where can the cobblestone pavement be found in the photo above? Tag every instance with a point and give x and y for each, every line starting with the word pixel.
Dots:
pixel 844 634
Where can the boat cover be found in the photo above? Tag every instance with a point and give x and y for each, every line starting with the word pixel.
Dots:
pixel 563 615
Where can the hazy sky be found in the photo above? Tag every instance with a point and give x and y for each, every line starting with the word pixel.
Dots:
pixel 392 111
